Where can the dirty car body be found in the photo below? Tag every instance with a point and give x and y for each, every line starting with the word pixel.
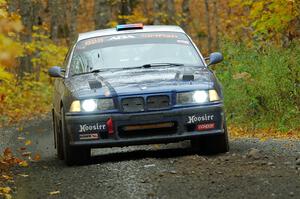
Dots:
pixel 132 86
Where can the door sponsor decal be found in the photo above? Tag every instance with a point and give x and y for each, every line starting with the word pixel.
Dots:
pixel 201 127
pixel 202 118
pixel 88 136
pixel 83 128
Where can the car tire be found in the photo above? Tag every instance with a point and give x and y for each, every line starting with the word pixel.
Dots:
pixel 58 138
pixel 73 155
pixel 212 144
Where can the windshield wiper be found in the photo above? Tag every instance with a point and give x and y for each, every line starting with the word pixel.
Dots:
pixel 92 71
pixel 152 65
pixel 161 64
pixel 129 68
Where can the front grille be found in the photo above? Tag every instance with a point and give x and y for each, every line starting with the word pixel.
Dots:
pixel 138 104
pixel 133 104
pixel 158 102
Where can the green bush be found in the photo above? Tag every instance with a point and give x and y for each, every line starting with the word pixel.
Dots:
pixel 261 85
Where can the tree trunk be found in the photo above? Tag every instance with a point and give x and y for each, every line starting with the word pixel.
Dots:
pixel 53 4
pixel 185 8
pixel 26 16
pixel 209 39
pixel 125 10
pixel 63 28
pixel 216 16
pixel 171 12
pixel 145 9
pixel 13 5
pixel 157 12
pixel 73 19
pixel 102 13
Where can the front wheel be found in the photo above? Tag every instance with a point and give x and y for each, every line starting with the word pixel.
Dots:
pixel 58 138
pixel 73 155
pixel 212 144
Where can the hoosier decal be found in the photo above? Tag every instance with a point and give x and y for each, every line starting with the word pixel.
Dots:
pixel 202 118
pixel 86 128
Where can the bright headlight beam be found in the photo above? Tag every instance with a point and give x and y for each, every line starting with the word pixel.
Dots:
pixel 200 96
pixel 89 105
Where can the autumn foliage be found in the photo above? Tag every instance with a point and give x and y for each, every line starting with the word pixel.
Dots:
pixel 24 95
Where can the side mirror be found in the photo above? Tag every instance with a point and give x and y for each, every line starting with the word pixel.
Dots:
pixel 215 58
pixel 56 71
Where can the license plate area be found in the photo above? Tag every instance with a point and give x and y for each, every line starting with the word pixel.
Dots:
pixel 148 126
pixel 144 130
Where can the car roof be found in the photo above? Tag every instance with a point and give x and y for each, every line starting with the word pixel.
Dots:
pixel 113 31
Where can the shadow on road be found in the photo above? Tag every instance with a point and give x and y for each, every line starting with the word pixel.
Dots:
pixel 142 154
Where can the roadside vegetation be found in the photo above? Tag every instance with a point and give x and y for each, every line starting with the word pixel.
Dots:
pixel 261 85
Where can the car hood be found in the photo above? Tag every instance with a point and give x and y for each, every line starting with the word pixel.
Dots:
pixel 140 81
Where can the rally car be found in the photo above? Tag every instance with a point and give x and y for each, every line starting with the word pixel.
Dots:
pixel 134 85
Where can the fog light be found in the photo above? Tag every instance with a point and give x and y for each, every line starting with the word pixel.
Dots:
pixel 75 106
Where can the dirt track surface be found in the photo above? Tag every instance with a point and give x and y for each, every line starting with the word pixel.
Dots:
pixel 252 169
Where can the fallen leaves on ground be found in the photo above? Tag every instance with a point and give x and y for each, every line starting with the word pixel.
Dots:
pixel 262 134
pixel 8 160
pixel 54 192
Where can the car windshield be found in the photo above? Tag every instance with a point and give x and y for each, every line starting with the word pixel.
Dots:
pixel 127 51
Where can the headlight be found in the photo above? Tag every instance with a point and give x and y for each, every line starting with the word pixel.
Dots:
pixel 106 104
pixel 91 105
pixel 199 97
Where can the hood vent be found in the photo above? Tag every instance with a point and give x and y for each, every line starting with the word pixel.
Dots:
pixel 188 77
pixel 95 84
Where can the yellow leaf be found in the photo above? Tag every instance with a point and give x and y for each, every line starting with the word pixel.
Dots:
pixel 8 196
pixel 23 175
pixel 21 138
pixel 5 190
pixel 26 153
pixel 37 157
pixel 28 142
pixel 6 177
pixel 23 164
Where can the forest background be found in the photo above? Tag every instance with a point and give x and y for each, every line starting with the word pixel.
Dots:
pixel 258 38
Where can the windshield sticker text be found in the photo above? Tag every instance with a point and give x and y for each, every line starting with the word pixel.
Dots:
pixel 119 37
pixel 160 36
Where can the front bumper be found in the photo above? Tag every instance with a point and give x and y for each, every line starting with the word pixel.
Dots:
pixel 91 130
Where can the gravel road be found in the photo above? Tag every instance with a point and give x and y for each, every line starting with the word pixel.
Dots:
pixel 252 169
